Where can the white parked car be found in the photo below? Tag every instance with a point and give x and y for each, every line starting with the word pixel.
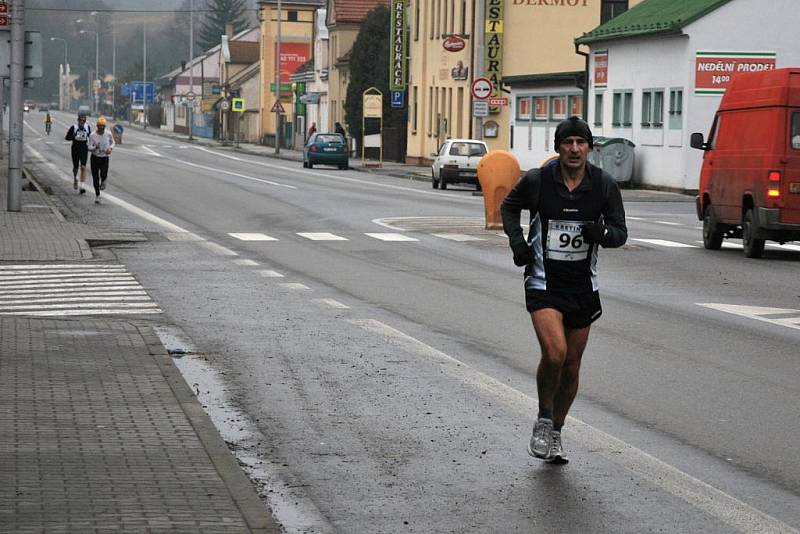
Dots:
pixel 457 162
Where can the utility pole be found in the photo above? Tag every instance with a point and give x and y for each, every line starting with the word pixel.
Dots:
pixel 17 72
pixel 144 74
pixel 278 84
pixel 191 66
pixel 113 70
pixel 477 72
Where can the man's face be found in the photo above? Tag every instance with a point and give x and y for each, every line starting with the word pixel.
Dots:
pixel 572 152
pixel 81 121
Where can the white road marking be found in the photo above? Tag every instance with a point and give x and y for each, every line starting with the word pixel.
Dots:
pixel 95 283
pixel 270 274
pixel 88 311
pixel 66 283
pixel 151 151
pixel 720 505
pixel 331 303
pixel 664 243
pixel 759 313
pixel 460 237
pixel 217 249
pixel 669 223
pixel 177 236
pixel 252 237
pixel 135 289
pixel 321 236
pixel 737 245
pixel 629 218
pixel 246 263
pixel 78 306
pixel 295 285
pixel 4 303
pixel 238 175
pixel 85 275
pixel 391 237
pixel 90 266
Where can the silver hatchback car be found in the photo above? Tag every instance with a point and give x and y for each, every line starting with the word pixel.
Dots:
pixel 457 162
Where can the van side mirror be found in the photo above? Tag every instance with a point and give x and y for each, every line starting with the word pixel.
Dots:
pixel 696 141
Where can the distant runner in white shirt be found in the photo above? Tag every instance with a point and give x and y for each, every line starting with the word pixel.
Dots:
pixel 101 143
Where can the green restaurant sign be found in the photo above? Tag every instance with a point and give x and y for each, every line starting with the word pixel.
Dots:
pixel 397 62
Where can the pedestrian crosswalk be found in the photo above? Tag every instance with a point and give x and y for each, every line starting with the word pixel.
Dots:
pixel 46 290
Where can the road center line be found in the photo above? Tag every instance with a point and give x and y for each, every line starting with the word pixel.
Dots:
pixel 697 493
pixel 238 175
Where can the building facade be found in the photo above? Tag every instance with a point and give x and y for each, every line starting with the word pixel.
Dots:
pixel 656 79
pixel 297 36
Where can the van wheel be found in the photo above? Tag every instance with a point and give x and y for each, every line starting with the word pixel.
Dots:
pixel 712 238
pixel 434 181
pixel 753 248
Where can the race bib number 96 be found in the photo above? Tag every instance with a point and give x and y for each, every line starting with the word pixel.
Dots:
pixel 564 241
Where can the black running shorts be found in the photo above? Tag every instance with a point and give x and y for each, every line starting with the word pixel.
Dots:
pixel 579 309
pixel 79 155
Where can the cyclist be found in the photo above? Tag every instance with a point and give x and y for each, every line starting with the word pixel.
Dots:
pixel 574 208
pixel 79 135
pixel 48 123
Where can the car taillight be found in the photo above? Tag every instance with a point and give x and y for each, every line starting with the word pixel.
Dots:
pixel 774 184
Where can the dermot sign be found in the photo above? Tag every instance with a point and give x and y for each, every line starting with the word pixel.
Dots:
pixel 397 59
pixel 714 70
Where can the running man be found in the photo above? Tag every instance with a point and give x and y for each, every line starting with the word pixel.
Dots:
pixel 100 144
pixel 574 208
pixel 79 135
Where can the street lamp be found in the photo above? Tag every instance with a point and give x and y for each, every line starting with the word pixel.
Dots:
pixel 63 81
pixel 96 54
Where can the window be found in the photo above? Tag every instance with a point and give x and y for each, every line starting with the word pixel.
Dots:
pixel 676 109
pixel 431 19
pixel 558 107
pixel 611 8
pixel 576 105
pixel 598 110
pixel 467 149
pixel 291 16
pixel 416 110
pixel 416 19
pixel 623 108
pixel 524 108
pixel 795 139
pixel 463 17
pixel 452 15
pixel 430 110
pixel 540 107
pixel 652 108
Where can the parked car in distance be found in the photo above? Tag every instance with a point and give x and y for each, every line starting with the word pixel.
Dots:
pixel 326 149
pixel 44 109
pixel 85 110
pixel 750 178
pixel 457 162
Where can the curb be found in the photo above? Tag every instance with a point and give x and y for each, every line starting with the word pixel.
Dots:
pixel 255 512
pixel 32 178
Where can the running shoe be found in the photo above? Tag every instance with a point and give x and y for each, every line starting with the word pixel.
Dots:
pixel 541 438
pixel 556 455
pixel 82 191
pixel 75 182
pixel 97 199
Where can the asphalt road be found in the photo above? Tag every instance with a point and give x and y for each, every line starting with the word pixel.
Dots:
pixel 375 385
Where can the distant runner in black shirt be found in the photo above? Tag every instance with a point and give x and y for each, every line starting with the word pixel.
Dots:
pixel 79 135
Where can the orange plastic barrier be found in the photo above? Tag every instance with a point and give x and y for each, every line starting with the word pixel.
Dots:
pixel 498 172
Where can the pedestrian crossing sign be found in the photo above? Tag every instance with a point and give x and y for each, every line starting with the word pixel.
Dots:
pixel 237 104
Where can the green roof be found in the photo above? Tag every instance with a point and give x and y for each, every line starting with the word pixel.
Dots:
pixel 652 17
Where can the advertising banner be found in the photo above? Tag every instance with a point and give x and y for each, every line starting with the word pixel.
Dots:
pixel 601 69
pixel 714 70
pixel 397 50
pixel 293 55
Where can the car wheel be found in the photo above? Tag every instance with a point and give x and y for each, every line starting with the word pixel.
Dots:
pixel 310 165
pixel 343 167
pixel 753 248
pixel 434 181
pixel 442 181
pixel 712 238
pixel 305 164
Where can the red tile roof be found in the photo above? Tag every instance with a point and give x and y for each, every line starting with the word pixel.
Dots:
pixel 354 10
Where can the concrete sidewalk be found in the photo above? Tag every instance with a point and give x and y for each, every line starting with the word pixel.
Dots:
pixel 389 168
pixel 98 429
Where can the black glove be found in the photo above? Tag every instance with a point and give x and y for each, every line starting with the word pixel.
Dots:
pixel 523 255
pixel 593 232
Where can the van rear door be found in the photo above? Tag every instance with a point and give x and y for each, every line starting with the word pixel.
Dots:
pixel 790 214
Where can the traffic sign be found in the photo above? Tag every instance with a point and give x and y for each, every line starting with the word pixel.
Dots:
pixel 190 96
pixel 277 107
pixel 398 99
pixel 480 108
pixel 481 88
pixel 237 104
pixel 224 105
pixel 500 101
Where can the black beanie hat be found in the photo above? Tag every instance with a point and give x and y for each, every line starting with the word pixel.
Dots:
pixel 573 126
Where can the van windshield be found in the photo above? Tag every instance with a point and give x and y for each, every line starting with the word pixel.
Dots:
pixel 795 138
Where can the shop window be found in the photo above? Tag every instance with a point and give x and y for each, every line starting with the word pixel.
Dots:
pixel 524 108
pixel 623 108
pixel 576 105
pixel 598 110
pixel 558 107
pixel 652 108
pixel 611 8
pixel 676 109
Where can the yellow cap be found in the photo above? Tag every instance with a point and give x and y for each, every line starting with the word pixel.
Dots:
pixel 101 121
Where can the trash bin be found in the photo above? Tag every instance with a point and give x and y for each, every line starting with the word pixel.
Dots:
pixel 615 156
pixel 116 133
